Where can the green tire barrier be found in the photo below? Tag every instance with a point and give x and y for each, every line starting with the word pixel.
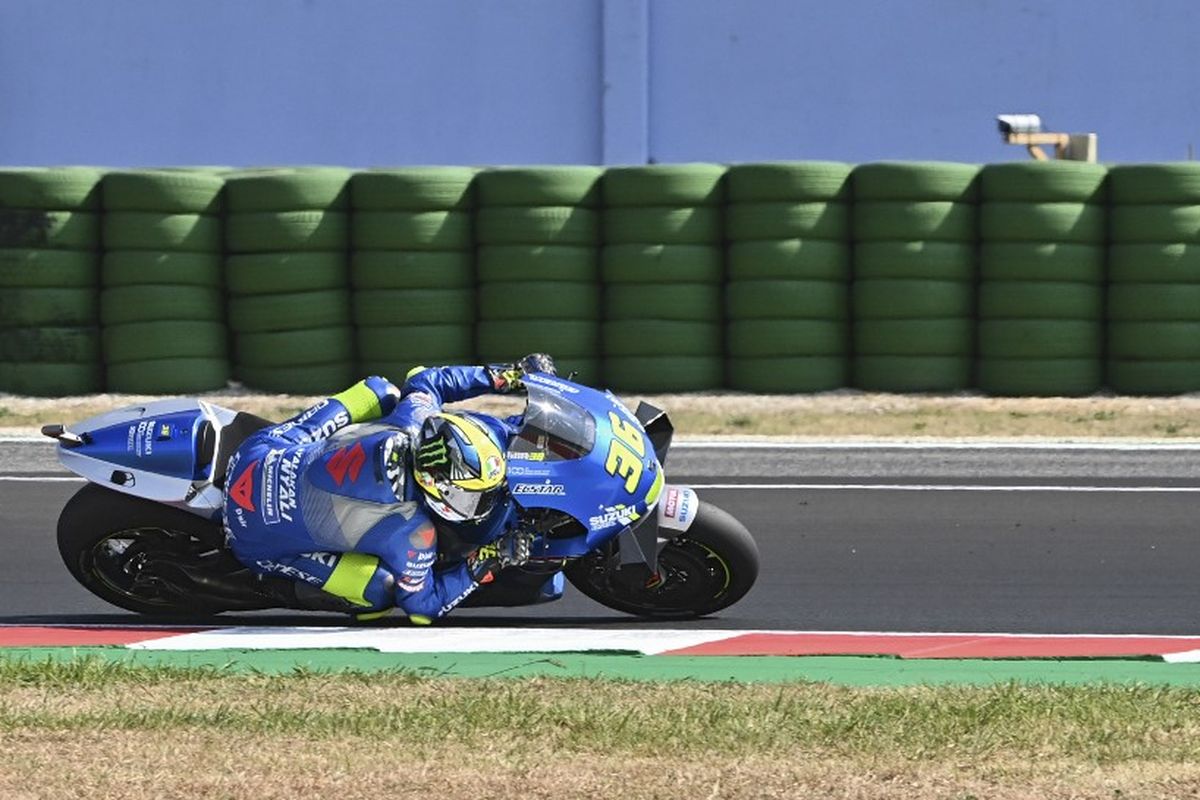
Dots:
pixel 408 269
pixel 412 343
pixel 911 373
pixel 1041 261
pixel 536 263
pixel 393 307
pixel 269 231
pixel 411 230
pixel 139 267
pixel 663 185
pixel 934 220
pixel 163 191
pixel 566 338
pixel 176 375
pixel 1043 182
pixel 1155 223
pixel 914 337
pixel 664 373
pixel 782 220
pixel 1040 300
pixel 413 189
pixel 50 379
pixel 698 302
pixel 1149 302
pixel 787 300
pixel 289 312
pixel 916 299
pixel 789 259
pixel 916 180
pixel 660 263
pixel 300 189
pixel 60 230
pixel 539 301
pixel 788 375
pixel 1175 262
pixel 1040 338
pixel 564 225
pixel 1152 341
pixel 296 348
pixel 540 186
pixel 167 339
pixel 142 230
pixel 50 344
pixel 775 338
pixel 662 225
pixel 125 304
pixel 65 269
pixel 1154 377
pixel 311 379
pixel 1040 377
pixel 1042 222
pixel 655 337
pixel 925 260
pixel 1153 184
pixel 284 273
pixel 53 307
pixel 49 189
pixel 789 181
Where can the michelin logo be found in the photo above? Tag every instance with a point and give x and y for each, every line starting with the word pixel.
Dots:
pixel 279 485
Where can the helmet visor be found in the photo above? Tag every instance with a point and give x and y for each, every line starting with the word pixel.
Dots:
pixel 462 505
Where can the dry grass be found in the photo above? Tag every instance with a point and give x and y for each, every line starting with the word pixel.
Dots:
pixel 829 415
pixel 104 731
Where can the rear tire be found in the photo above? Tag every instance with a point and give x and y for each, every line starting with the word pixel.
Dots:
pixel 705 569
pixel 97 531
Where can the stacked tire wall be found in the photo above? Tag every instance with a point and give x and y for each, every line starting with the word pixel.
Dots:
pixel 162 308
pixel 1027 278
pixel 914 276
pixel 662 270
pixel 1154 273
pixel 412 269
pixel 286 268
pixel 787 309
pixel 49 281
pixel 1041 297
pixel 538 235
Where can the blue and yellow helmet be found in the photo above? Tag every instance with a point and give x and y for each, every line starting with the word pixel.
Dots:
pixel 459 465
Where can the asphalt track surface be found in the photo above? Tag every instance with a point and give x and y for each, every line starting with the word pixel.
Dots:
pixel 858 537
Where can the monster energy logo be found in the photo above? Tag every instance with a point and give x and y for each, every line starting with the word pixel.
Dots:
pixel 432 454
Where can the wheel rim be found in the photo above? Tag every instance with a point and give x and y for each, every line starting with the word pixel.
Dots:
pixel 118 560
pixel 691 578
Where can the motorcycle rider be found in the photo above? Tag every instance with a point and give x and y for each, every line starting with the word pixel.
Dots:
pixel 338 515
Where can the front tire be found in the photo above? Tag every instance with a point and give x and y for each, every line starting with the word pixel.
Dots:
pixel 703 570
pixel 104 536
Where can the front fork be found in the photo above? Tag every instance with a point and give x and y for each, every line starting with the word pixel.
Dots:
pixel 639 545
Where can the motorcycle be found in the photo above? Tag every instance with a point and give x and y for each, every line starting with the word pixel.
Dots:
pixel 585 475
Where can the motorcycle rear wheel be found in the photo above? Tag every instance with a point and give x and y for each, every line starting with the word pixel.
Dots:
pixel 104 537
pixel 709 567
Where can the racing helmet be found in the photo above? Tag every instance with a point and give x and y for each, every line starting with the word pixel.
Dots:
pixel 459 465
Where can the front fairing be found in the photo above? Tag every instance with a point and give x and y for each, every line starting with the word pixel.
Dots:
pixel 581 452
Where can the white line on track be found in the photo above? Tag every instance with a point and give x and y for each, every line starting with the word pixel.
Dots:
pixel 942 487
pixel 42 478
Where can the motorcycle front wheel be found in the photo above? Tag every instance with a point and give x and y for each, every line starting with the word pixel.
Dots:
pixel 709 567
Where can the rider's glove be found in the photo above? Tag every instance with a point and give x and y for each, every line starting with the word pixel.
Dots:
pixel 508 377
pixel 510 550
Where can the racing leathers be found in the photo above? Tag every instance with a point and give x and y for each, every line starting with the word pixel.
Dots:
pixel 327 500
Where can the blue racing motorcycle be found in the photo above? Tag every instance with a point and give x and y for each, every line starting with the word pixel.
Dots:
pixel 585 475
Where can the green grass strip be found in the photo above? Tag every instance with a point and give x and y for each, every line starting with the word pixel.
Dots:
pixel 841 670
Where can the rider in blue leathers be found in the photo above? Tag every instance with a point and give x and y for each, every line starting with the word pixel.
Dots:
pixel 339 507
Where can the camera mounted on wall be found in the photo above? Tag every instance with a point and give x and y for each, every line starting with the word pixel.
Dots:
pixel 1026 129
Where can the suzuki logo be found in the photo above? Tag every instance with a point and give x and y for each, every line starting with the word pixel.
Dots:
pixel 347 460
